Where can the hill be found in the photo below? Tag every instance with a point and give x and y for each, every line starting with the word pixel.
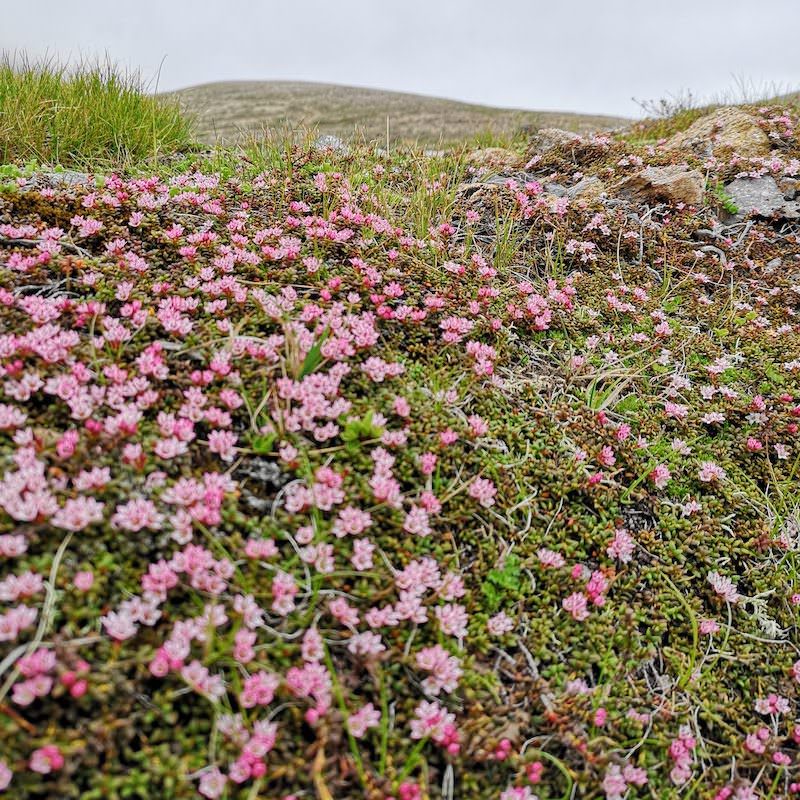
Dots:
pixel 223 110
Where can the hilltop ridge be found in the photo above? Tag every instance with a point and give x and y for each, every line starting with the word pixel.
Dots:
pixel 224 109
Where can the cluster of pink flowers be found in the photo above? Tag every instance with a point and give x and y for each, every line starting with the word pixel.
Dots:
pixel 617 780
pixel 681 754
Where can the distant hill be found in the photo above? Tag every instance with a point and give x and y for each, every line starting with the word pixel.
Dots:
pixel 225 109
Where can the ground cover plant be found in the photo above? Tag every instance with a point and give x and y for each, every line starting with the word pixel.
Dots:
pixel 354 474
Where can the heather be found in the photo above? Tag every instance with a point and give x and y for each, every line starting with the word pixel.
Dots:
pixel 345 473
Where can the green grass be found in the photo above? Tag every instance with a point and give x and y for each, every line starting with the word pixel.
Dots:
pixel 91 114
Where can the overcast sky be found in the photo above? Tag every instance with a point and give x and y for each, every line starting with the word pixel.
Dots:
pixel 575 55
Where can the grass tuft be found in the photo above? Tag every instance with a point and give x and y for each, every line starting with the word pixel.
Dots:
pixel 93 113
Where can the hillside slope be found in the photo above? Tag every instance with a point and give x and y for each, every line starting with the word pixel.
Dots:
pixel 225 109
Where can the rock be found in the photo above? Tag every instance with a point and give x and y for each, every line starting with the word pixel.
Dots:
pixel 789 187
pixel 556 189
pixel 548 139
pixel 761 197
pixel 62 178
pixel 589 188
pixel 327 141
pixel 672 184
pixel 260 481
pixel 730 129
pixel 493 157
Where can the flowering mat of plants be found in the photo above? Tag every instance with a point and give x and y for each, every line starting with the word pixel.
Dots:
pixel 330 478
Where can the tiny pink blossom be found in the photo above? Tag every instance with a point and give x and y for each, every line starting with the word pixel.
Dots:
pixel 83 581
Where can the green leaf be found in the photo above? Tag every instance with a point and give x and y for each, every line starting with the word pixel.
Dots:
pixel 313 358
pixel 502 582
pixel 263 443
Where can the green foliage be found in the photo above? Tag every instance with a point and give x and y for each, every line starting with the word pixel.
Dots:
pixel 93 115
pixel 313 358
pixel 263 444
pixel 724 200
pixel 502 582
pixel 358 430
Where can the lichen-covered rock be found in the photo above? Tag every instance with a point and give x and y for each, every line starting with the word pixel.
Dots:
pixel 727 129
pixel 493 158
pixel 671 184
pixel 588 188
pixel 548 139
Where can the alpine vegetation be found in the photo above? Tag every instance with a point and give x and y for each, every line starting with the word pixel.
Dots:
pixel 345 473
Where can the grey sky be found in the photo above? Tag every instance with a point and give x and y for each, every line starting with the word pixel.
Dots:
pixel 578 55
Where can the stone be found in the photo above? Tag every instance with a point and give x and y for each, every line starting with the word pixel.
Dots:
pixel 327 141
pixel 761 197
pixel 546 140
pixel 589 188
pixel 789 187
pixel 729 129
pixel 493 157
pixel 556 189
pixel 61 178
pixel 672 184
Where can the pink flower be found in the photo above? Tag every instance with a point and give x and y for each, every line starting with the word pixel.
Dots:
pixel 431 719
pixel 607 457
pixel 416 522
pixel 622 547
pixel 119 626
pixel 483 490
pixel 5 776
pixel 351 521
pixel 136 515
pixel 675 410
pixel 518 793
pixel 445 669
pixel 243 650
pixel 709 627
pixel 78 513
pixel 259 689
pixel 260 548
pixel 724 587
pixel 614 784
pixel 366 644
pixel 362 554
pixel 427 463
pixel 401 407
pixel 477 426
pixel 46 759
pixel 212 784
pixel 773 704
pixel 576 604
pixel 284 590
pixel 549 558
pixel 452 619
pixel 709 471
pixel 660 476
pixel 500 624
pixel 223 444
pixel 366 717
